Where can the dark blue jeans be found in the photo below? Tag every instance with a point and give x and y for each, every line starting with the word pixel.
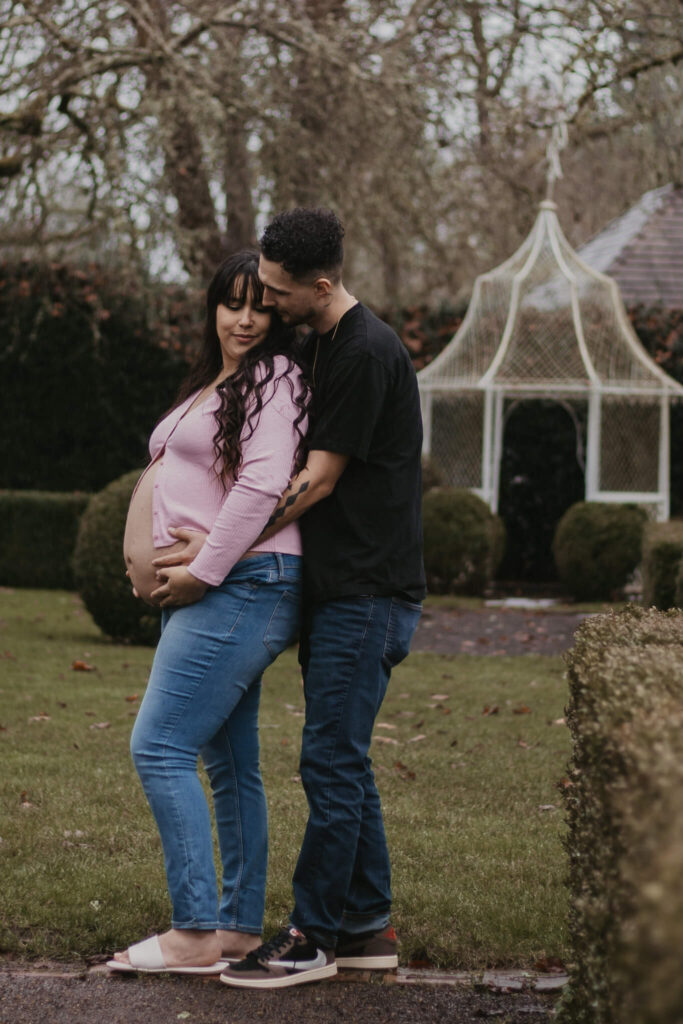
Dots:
pixel 342 879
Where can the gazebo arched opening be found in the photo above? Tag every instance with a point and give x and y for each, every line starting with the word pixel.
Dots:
pixel 542 473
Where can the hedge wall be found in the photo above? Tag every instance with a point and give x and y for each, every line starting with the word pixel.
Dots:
pixel 83 377
pixel 625 816
pixel 37 538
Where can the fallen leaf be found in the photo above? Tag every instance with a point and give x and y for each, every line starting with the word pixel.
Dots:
pixel 416 739
pixel 385 739
pixel 24 800
pixel 565 784
pixel 41 717
pixel 82 666
pixel 100 725
pixel 547 807
pixel 491 710
pixel 521 743
pixel 133 697
pixel 559 721
pixel 403 770
pixel 440 696
pixel 523 709
pixel 384 725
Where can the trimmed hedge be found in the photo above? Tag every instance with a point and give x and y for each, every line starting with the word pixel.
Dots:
pixel 100 570
pixel 662 554
pixel 625 817
pixel 83 376
pixel 597 545
pixel 463 541
pixel 37 536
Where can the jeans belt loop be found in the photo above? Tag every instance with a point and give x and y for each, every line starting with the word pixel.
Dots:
pixel 280 565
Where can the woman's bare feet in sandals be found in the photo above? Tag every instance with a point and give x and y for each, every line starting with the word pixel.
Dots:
pixel 185 947
pixel 236 945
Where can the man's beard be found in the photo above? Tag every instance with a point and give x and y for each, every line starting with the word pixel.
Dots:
pixel 298 319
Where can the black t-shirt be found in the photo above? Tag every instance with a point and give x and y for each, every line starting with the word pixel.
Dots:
pixel 366 537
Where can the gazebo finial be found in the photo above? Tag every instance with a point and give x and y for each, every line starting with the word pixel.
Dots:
pixel 558 140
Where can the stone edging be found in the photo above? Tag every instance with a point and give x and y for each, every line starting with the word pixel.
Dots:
pixel 510 980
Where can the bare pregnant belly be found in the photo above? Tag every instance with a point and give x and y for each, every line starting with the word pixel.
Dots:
pixel 138 541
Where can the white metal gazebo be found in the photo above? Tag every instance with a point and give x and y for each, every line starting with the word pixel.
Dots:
pixel 545 325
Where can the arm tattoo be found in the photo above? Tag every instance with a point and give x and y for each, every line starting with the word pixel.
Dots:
pixel 279 512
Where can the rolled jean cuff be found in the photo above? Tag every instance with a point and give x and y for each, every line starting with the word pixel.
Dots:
pixel 243 929
pixel 356 924
pixel 197 926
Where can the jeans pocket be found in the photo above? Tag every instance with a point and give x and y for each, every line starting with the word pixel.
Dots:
pixel 403 620
pixel 284 623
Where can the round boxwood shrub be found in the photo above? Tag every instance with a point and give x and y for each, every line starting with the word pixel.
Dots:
pixel 431 477
pixel 597 545
pixel 679 586
pixel 100 571
pixel 463 541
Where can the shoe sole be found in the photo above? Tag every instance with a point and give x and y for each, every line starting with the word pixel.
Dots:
pixel 220 965
pixel 300 978
pixel 368 963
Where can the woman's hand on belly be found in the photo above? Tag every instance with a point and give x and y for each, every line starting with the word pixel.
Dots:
pixel 179 587
pixel 194 542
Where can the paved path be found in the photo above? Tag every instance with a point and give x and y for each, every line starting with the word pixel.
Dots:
pixel 495 631
pixel 72 995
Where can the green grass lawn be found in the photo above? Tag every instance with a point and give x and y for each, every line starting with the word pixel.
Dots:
pixel 471 799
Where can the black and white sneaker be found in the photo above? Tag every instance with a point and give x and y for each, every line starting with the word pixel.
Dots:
pixel 288 959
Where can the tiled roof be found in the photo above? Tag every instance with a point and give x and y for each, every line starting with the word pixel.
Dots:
pixel 643 250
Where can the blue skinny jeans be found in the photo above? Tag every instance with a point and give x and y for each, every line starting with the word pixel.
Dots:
pixel 202 700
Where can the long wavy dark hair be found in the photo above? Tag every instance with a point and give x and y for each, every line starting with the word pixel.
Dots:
pixel 241 393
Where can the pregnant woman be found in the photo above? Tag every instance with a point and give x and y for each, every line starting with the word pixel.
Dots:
pixel 220 459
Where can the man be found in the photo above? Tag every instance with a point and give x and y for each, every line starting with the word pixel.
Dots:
pixel 359 496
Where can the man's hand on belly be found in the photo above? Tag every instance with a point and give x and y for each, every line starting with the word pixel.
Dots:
pixel 194 542
pixel 178 587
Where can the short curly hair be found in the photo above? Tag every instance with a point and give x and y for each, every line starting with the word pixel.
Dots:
pixel 307 242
